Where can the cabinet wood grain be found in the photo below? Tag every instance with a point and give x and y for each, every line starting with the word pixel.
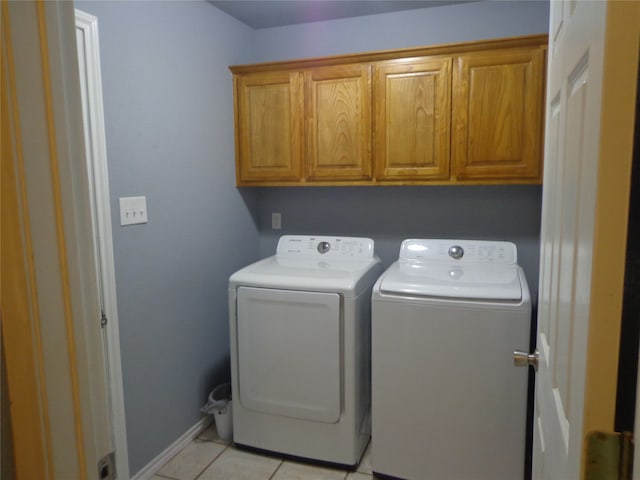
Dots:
pixel 412 102
pixel 497 114
pixel 338 123
pixel 269 117
pixel 465 113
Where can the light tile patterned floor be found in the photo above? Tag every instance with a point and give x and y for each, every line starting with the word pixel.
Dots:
pixel 209 458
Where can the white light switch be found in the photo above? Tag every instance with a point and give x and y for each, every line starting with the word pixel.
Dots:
pixel 133 210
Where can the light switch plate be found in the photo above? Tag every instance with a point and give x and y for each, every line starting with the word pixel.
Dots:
pixel 133 210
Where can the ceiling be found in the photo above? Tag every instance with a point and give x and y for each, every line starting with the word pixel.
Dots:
pixel 277 13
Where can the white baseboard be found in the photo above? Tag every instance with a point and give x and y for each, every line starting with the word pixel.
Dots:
pixel 154 465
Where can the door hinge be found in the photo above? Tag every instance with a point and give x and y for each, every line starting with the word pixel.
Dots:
pixel 107 467
pixel 103 319
pixel 609 456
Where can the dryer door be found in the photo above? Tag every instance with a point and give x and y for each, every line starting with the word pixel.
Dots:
pixel 289 353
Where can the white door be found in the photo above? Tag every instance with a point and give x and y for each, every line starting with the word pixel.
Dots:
pixel 593 57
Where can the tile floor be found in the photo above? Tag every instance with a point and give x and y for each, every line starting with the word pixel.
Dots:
pixel 209 458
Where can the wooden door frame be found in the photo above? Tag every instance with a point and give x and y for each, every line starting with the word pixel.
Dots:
pixel 614 183
pixel 50 328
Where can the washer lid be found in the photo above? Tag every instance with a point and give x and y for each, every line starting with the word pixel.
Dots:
pixel 469 281
pixel 470 269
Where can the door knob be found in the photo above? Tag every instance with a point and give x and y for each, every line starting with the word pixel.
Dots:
pixel 524 359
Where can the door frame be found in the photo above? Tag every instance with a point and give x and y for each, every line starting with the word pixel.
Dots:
pixel 98 180
pixel 50 314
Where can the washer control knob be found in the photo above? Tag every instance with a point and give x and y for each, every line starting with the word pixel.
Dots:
pixel 324 247
pixel 456 252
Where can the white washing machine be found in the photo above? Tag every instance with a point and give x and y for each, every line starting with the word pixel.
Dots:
pixel 300 348
pixel 447 400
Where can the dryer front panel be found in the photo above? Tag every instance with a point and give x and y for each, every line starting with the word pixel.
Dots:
pixel 289 353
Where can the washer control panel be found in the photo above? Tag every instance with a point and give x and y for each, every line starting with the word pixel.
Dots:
pixel 458 251
pixel 324 246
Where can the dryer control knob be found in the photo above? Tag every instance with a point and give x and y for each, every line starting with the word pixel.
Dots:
pixel 324 247
pixel 456 252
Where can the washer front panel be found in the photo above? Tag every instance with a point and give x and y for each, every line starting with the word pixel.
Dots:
pixel 444 374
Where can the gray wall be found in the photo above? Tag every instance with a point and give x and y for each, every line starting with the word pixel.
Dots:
pixel 169 121
pixel 390 214
pixel 169 125
pixel 409 28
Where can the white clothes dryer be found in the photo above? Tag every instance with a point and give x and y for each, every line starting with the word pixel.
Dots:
pixel 447 400
pixel 300 348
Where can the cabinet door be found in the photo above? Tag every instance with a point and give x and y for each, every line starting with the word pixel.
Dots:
pixel 338 122
pixel 497 115
pixel 269 115
pixel 412 101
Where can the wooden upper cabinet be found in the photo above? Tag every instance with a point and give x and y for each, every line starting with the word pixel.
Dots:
pixel 466 113
pixel 412 101
pixel 338 122
pixel 269 118
pixel 497 115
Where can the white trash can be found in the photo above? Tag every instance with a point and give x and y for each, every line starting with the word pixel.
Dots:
pixel 219 405
pixel 224 422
